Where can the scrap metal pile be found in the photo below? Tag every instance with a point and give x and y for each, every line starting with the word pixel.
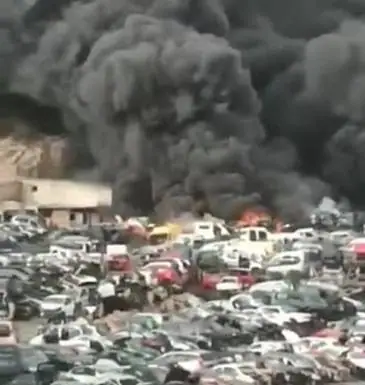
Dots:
pixel 194 302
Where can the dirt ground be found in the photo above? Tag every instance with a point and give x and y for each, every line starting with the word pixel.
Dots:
pixel 26 329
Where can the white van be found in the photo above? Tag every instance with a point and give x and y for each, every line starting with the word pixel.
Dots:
pixel 209 230
pixel 205 230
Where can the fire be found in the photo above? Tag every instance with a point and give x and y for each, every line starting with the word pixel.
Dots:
pixel 259 217
pixel 253 217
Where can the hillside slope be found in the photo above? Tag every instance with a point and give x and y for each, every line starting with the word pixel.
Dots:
pixel 32 156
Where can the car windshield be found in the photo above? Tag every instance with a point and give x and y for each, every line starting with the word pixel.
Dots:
pixel 128 381
pixel 158 239
pixel 304 294
pixel 209 261
pixel 207 256
pixel 22 219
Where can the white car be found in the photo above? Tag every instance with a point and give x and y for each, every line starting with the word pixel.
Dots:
pixel 4 260
pixel 82 374
pixel 274 314
pixel 240 302
pixel 263 347
pixel 307 234
pixel 56 303
pixel 28 221
pixel 177 356
pixel 279 316
pixel 318 344
pixel 234 371
pixel 287 261
pixel 77 335
pixel 90 374
pixel 341 237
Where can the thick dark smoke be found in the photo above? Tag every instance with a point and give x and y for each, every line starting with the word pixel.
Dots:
pixel 199 104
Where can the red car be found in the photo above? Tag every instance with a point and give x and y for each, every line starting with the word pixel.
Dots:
pixel 163 272
pixel 211 281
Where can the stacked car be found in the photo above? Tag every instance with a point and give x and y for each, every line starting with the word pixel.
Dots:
pixel 239 305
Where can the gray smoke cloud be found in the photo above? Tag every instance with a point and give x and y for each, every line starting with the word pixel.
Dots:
pixel 209 104
pixel 339 83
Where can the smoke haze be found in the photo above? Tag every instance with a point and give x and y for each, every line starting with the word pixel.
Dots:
pixel 197 105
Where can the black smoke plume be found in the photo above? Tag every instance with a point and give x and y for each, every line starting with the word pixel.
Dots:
pixel 209 104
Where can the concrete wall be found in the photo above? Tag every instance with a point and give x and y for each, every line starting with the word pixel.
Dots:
pixel 10 191
pixel 65 194
pixel 60 218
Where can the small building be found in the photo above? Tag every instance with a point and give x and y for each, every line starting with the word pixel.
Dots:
pixel 61 202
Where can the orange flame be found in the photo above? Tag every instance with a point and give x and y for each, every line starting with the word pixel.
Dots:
pixel 255 217
pixel 252 217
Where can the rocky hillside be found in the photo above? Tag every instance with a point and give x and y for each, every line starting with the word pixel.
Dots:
pixel 32 156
